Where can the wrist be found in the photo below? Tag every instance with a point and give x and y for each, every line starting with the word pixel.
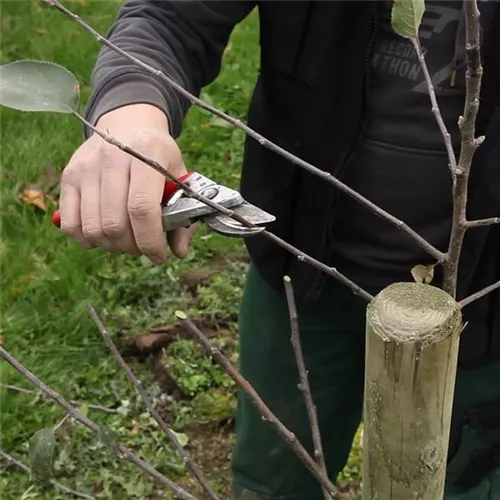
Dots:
pixel 136 114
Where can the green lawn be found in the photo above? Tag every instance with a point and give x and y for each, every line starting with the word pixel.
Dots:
pixel 47 282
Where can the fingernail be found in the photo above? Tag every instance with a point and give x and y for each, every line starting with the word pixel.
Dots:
pixel 157 259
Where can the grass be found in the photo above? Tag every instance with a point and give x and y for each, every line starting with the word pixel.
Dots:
pixel 47 281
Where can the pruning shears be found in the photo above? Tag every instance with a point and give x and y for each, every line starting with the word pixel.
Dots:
pixel 179 209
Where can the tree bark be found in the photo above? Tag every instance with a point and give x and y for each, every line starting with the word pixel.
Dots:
pixel 412 339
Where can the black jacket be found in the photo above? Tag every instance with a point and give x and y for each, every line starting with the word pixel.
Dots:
pixel 310 98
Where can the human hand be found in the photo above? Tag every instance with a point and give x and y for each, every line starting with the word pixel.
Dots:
pixel 111 200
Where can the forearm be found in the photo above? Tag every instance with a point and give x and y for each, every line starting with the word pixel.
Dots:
pixel 184 39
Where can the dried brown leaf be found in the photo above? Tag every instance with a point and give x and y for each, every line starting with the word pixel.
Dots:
pixel 33 194
pixel 423 274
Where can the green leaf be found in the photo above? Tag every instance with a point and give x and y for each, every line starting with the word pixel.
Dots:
pixel 38 86
pixel 106 436
pixel 407 16
pixel 84 409
pixel 423 274
pixel 181 437
pixel 41 454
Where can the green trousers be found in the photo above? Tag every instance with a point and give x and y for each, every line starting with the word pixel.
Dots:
pixel 332 335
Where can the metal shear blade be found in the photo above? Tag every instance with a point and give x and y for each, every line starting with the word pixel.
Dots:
pixel 227 226
pixel 181 210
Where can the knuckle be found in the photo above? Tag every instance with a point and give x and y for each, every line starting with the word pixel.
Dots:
pixel 147 139
pixel 69 229
pixel 91 231
pixel 89 157
pixel 153 143
pixel 141 207
pixel 106 154
pixel 147 143
pixel 113 226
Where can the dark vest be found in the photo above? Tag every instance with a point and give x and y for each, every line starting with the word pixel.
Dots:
pixel 310 99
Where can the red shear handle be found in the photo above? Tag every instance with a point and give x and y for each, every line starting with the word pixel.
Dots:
pixel 169 189
pixel 56 218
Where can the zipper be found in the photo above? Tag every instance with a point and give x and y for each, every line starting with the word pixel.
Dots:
pixel 317 285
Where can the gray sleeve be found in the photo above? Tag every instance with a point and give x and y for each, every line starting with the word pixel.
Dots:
pixel 183 38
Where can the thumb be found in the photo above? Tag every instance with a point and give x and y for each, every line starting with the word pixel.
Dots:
pixel 180 239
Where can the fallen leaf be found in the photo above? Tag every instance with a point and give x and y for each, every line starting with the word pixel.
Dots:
pixel 423 274
pixel 135 428
pixel 34 195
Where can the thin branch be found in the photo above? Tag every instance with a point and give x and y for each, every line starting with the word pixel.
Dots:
pixel 61 422
pixel 149 405
pixel 266 413
pixel 193 194
pixel 304 380
pixel 437 112
pixel 54 483
pixel 14 388
pixel 475 296
pixel 482 222
pixel 356 289
pixel 433 251
pixel 121 450
pixel 469 145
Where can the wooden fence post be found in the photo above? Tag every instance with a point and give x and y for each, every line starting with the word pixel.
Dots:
pixel 412 338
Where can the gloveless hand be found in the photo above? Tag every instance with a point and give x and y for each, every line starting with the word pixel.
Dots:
pixel 111 200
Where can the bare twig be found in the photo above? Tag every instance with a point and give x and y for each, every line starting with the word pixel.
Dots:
pixel 287 246
pixel 422 242
pixel 437 112
pixel 54 483
pixel 14 388
pixel 469 145
pixel 149 405
pixel 482 222
pixel 61 422
pixel 121 450
pixel 304 380
pixel 266 413
pixel 475 296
